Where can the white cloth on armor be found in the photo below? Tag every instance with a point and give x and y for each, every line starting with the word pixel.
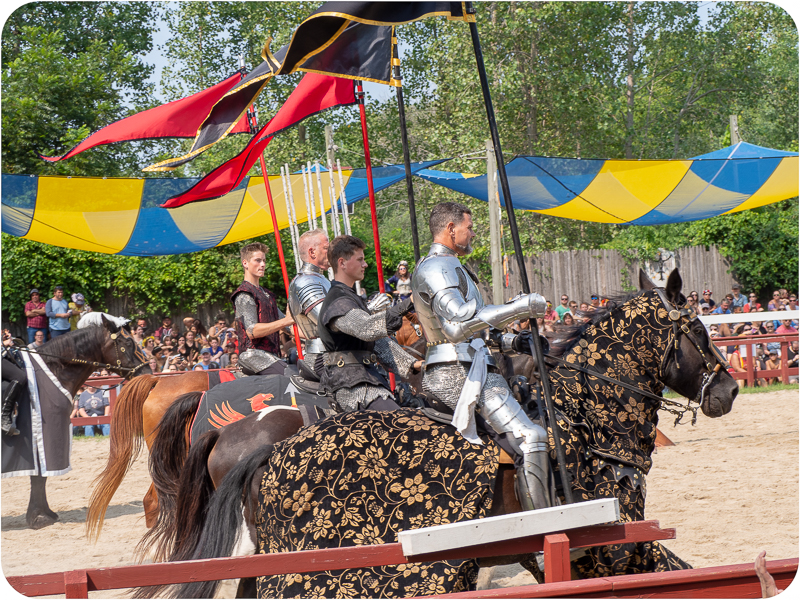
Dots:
pixel 464 414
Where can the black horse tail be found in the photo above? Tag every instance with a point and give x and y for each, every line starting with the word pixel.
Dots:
pixel 167 457
pixel 196 491
pixel 224 519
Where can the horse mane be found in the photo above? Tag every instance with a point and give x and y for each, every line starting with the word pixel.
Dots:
pixel 79 342
pixel 573 333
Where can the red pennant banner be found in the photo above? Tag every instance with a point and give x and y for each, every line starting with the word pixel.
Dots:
pixel 312 95
pixel 179 119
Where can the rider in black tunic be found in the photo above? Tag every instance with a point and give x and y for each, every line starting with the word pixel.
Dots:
pixel 356 341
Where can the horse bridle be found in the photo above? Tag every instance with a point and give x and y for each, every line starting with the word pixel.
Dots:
pixel 131 371
pixel 682 319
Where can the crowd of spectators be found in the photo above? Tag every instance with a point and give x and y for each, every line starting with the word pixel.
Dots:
pixel 766 356
pixel 558 321
pixel 190 347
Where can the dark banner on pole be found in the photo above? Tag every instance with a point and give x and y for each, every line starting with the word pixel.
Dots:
pixel 344 39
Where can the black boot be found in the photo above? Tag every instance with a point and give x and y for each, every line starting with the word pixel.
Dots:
pixel 9 402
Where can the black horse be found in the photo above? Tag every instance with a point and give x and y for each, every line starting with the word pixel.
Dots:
pixel 71 358
pixel 644 342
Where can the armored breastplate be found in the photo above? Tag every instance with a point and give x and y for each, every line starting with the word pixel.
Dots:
pixel 306 294
pixel 436 272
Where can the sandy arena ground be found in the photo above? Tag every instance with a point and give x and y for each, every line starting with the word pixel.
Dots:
pixel 729 486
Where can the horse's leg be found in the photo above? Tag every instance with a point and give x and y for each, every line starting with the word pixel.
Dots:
pixel 150 502
pixel 39 514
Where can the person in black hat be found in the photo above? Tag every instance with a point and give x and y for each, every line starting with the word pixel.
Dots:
pixel 35 312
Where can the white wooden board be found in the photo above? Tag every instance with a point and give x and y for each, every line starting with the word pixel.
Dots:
pixel 508 527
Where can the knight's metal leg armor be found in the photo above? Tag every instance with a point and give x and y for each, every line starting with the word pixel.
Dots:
pixel 254 361
pixel 10 392
pixel 505 415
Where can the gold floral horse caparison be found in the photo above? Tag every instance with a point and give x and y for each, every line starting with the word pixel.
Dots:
pixel 360 478
pixel 607 433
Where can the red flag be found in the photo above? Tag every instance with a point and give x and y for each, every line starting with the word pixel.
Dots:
pixel 313 94
pixel 180 118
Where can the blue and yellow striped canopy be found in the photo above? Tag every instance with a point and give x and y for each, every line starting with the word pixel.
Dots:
pixel 641 192
pixel 122 216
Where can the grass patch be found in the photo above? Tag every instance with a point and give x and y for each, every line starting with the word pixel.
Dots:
pixel 750 390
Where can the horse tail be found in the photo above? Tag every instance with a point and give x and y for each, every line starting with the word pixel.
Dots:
pixel 127 436
pixel 167 457
pixel 223 521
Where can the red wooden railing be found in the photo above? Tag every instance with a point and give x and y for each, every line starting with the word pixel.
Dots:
pixel 729 581
pixel 78 583
pixel 750 341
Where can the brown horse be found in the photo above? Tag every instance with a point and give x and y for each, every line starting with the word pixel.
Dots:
pixel 137 411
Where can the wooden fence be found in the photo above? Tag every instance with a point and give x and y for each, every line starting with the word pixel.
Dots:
pixel 729 581
pixel 581 273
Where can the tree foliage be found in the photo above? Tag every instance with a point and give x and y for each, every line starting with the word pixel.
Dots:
pixel 572 79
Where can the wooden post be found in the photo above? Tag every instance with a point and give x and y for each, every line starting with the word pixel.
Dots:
pixel 785 361
pixel 556 558
pixel 494 225
pixel 76 584
pixel 735 137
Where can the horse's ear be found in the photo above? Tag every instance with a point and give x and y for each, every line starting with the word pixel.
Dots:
pixel 645 283
pixel 674 286
pixel 110 325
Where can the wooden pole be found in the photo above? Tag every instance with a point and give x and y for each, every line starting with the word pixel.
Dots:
pixel 494 225
pixel 536 348
pixel 291 202
pixel 278 243
pixel 343 197
pixel 295 239
pixel 311 219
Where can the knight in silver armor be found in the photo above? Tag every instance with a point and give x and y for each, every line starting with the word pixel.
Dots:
pixel 459 369
pixel 356 339
pixel 308 290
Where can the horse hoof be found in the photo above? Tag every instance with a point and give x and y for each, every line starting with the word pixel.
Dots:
pixel 42 521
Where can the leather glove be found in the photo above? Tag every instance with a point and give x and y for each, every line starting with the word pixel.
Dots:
pixel 394 315
pixel 522 343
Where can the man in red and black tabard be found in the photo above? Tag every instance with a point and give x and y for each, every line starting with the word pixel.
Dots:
pixel 258 319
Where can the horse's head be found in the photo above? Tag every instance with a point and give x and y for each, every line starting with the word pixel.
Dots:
pixel 689 364
pixel 121 351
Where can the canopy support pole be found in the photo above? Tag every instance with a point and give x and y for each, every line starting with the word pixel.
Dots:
pixel 401 107
pixel 512 223
pixel 371 188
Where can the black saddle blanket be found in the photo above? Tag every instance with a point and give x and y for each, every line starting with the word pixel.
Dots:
pixel 234 400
